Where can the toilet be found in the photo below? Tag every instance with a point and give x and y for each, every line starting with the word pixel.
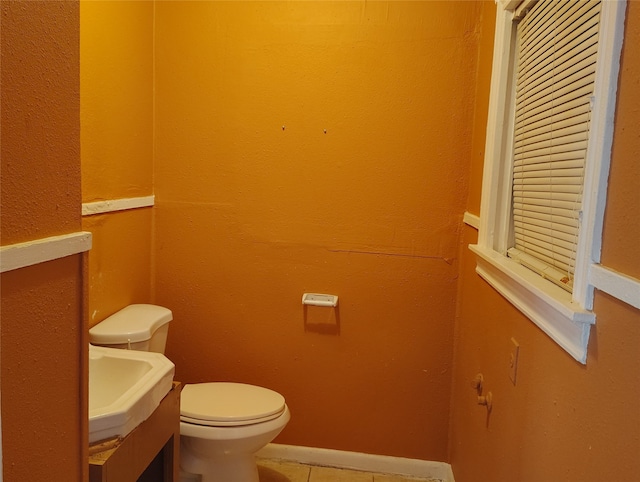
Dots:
pixel 222 424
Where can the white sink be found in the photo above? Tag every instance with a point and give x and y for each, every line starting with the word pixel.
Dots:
pixel 125 387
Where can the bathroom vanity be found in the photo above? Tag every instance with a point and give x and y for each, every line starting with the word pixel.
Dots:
pixel 151 449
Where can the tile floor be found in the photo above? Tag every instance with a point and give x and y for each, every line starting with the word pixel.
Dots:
pixel 276 471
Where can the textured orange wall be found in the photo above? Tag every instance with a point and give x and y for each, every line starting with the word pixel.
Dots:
pixel 563 420
pixel 620 239
pixel 257 204
pixel 116 53
pixel 119 261
pixel 40 99
pixel 44 386
pixel 482 87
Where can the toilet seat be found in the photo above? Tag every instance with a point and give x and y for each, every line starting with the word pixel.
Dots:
pixel 226 404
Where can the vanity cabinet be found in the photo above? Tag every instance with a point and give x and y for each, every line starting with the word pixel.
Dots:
pixel 149 453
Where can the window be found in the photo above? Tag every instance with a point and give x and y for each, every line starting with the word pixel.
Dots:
pixel 548 145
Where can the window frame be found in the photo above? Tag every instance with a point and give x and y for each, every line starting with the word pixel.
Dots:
pixel 565 317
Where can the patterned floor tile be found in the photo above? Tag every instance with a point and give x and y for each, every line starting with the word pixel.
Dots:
pixel 275 471
pixel 330 474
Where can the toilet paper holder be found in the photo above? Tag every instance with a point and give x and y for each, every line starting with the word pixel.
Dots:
pixel 319 299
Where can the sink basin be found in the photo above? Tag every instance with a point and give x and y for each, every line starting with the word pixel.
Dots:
pixel 125 387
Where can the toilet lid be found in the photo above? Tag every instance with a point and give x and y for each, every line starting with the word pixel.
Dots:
pixel 225 403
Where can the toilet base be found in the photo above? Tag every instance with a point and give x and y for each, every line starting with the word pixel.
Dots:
pixel 228 468
pixel 226 454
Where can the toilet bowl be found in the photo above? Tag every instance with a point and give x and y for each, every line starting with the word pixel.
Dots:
pixel 222 424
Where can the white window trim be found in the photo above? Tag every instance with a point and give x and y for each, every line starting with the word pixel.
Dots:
pixel 565 317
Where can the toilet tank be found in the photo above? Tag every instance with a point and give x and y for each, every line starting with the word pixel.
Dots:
pixel 136 327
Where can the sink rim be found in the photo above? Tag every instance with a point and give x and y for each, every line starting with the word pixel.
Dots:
pixel 135 404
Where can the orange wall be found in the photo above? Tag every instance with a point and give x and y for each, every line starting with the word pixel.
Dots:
pixel 116 93
pixel 44 388
pixel 563 420
pixel 40 98
pixel 257 204
pixel 620 239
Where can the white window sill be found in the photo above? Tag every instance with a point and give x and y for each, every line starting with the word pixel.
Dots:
pixel 548 306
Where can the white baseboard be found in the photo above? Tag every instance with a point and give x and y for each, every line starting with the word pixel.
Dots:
pixel 358 461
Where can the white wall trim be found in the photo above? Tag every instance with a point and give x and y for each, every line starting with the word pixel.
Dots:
pixel 20 255
pixel 618 285
pixel 472 220
pixel 358 461
pixel 111 205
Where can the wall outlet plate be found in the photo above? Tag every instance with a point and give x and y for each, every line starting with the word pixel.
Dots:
pixel 514 351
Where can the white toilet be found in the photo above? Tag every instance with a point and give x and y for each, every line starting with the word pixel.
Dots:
pixel 222 424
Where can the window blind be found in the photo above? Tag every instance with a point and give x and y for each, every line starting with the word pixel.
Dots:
pixel 557 53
